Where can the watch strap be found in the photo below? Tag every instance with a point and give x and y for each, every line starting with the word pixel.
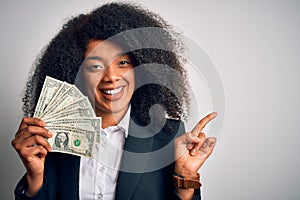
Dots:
pixel 182 182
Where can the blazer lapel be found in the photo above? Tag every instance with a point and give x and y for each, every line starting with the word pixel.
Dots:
pixel 134 160
pixel 68 177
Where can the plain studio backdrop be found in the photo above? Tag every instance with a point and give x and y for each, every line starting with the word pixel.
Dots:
pixel 255 47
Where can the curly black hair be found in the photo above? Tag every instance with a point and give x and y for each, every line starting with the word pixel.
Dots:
pixel 63 56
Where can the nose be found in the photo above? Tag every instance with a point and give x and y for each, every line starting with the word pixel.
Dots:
pixel 111 73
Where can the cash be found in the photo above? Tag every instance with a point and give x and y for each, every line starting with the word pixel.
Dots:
pixel 69 115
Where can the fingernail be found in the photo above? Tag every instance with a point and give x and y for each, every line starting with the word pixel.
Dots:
pixel 190 146
pixel 43 123
pixel 214 115
pixel 212 141
pixel 50 133
pixel 212 144
pixel 193 151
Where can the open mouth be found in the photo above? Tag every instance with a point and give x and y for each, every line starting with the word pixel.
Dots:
pixel 112 91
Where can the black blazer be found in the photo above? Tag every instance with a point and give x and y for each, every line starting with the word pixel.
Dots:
pixel 153 180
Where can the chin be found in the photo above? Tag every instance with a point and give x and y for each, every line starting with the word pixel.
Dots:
pixel 118 109
pixel 112 108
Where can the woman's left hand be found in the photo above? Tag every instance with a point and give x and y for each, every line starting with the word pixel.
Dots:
pixel 193 148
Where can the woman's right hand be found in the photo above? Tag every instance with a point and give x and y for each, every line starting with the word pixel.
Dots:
pixel 32 147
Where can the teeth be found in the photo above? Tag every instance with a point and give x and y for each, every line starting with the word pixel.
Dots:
pixel 114 91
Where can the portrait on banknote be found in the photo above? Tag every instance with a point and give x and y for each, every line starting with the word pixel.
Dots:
pixel 61 140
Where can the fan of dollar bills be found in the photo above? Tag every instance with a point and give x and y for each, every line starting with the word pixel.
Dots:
pixel 69 115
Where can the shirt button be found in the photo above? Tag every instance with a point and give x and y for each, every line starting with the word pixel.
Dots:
pixel 100 196
pixel 101 169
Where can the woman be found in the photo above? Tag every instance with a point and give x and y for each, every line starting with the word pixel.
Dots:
pixel 108 61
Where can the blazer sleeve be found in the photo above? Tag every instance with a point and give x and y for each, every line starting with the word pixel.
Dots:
pixel 175 196
pixel 61 179
pixel 20 190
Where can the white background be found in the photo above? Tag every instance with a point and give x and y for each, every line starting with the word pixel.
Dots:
pixel 255 46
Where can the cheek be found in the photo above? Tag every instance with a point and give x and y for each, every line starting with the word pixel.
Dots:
pixel 91 83
pixel 132 85
pixel 130 78
pixel 132 82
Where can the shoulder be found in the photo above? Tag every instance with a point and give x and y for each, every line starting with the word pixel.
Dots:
pixel 174 126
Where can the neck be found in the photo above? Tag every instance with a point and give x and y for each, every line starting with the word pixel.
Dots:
pixel 111 119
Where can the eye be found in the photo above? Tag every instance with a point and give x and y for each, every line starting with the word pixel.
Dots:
pixel 96 68
pixel 124 62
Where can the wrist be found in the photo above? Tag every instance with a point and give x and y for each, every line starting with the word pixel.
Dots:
pixel 185 186
pixel 182 171
pixel 34 184
pixel 186 194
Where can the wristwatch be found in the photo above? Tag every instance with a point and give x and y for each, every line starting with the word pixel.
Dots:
pixel 182 182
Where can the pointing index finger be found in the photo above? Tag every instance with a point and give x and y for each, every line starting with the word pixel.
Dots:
pixel 202 123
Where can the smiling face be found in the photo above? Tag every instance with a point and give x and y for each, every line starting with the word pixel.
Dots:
pixel 108 80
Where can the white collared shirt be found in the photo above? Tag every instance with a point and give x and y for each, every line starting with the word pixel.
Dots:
pixel 98 175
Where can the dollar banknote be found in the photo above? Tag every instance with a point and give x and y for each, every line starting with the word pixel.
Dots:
pixel 50 87
pixel 92 124
pixel 72 140
pixel 80 112
pixel 82 102
pixel 69 115
pixel 68 97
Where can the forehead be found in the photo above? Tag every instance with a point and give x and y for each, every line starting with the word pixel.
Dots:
pixel 103 48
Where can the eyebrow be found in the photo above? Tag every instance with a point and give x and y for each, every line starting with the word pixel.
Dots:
pixel 93 58
pixel 123 53
pixel 99 58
